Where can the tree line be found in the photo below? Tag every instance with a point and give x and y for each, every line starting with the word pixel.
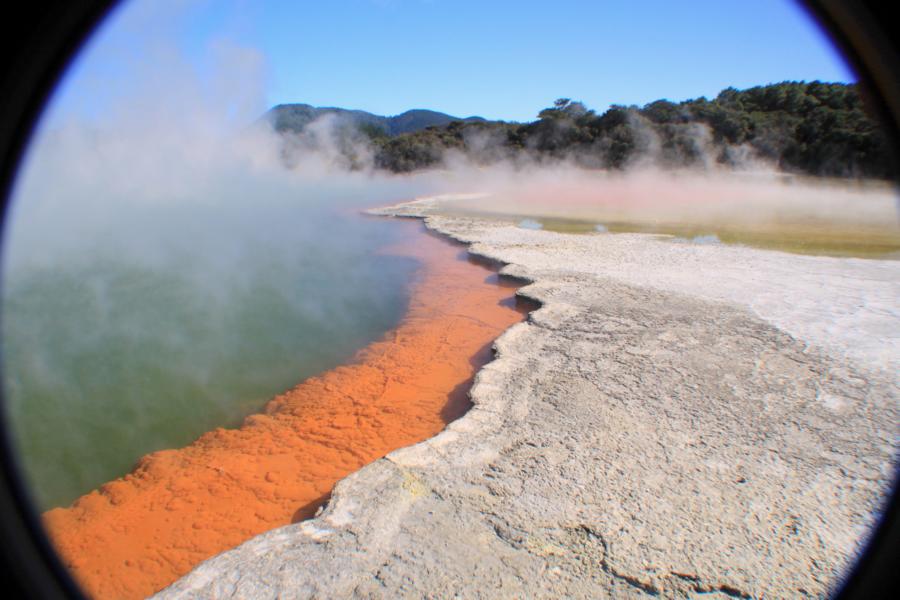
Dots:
pixel 813 128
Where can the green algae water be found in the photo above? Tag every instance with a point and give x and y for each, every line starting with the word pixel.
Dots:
pixel 120 342
pixel 844 242
pixel 857 242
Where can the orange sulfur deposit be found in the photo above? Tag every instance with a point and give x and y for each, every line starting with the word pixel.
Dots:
pixel 179 507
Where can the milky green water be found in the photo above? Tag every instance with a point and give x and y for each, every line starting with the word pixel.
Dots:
pixel 113 351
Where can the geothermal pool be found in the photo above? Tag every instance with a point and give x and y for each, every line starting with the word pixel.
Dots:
pixel 110 357
pixel 139 533
pixel 798 215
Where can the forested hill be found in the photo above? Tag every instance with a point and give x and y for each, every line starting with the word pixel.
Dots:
pixel 809 128
pixel 295 118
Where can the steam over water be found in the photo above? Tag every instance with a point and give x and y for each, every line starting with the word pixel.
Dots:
pixel 134 321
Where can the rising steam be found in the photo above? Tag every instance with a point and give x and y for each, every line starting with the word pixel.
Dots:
pixel 164 274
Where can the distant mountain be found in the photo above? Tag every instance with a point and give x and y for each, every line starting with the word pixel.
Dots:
pixel 295 118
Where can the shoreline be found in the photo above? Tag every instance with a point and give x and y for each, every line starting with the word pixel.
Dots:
pixel 139 533
pixel 627 438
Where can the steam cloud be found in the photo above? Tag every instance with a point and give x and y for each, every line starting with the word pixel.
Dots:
pixel 164 274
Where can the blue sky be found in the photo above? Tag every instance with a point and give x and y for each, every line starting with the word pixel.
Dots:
pixel 495 58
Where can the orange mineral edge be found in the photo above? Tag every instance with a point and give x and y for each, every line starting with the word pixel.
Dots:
pixel 138 534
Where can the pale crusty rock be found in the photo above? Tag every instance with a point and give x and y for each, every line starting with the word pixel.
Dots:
pixel 636 436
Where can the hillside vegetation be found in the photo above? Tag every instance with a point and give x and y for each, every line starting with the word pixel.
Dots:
pixel 296 117
pixel 812 128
